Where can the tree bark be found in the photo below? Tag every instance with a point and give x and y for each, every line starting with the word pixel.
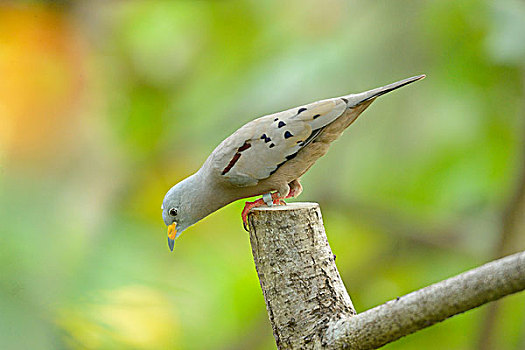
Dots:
pixel 296 267
pixel 425 307
pixel 309 307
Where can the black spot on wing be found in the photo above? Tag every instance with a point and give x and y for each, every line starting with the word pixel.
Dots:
pixel 265 138
pixel 304 143
pixel 281 124
pixel 276 119
pixel 301 110
pixel 344 99
pixel 316 116
pixel 291 156
pixel 272 145
pixel 287 134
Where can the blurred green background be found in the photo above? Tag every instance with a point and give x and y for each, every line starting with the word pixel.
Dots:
pixel 104 105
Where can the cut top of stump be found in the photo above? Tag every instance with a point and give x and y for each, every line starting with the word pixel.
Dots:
pixel 289 206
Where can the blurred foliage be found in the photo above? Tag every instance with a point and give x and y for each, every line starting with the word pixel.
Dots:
pixel 106 104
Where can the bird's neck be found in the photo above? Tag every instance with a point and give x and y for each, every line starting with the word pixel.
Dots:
pixel 202 197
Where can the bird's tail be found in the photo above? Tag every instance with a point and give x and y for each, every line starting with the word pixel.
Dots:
pixel 357 99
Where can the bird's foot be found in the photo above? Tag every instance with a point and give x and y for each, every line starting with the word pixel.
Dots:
pixel 291 194
pixel 295 189
pixel 273 200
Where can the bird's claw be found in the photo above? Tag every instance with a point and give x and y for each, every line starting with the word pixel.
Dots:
pixel 258 203
pixel 247 207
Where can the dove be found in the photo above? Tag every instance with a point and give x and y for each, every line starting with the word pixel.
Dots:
pixel 266 156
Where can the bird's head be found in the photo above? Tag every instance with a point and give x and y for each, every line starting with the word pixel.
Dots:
pixel 175 213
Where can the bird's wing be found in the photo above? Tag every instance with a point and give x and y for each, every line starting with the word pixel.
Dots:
pixel 259 148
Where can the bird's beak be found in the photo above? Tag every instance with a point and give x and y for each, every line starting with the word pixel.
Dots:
pixel 172 233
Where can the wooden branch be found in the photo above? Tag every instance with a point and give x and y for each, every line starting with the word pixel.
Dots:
pixel 309 307
pixel 425 307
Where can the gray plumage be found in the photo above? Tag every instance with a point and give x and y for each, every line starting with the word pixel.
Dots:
pixel 265 155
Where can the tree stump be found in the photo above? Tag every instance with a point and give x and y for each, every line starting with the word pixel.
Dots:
pixel 301 285
pixel 309 307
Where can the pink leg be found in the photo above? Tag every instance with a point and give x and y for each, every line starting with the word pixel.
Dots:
pixel 258 203
pixel 295 189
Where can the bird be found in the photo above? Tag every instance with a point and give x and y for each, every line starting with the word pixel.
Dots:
pixel 266 156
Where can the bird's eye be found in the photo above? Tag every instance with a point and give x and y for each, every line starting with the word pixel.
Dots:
pixel 173 211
